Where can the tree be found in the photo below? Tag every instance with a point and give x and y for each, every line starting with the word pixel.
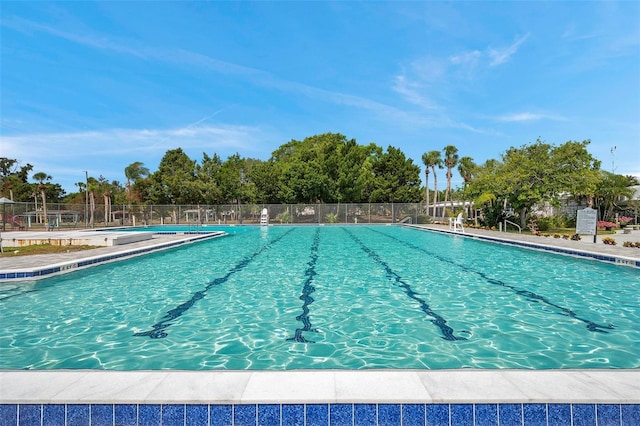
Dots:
pixel 207 178
pixel 264 175
pixel 230 179
pixel 174 181
pixel 351 181
pixel 537 173
pixel 611 189
pixel 8 183
pixel 467 169
pixel 92 187
pixel 397 178
pixel 425 161
pixel 14 180
pixel 450 161
pixel 134 172
pixel 41 177
pixel 576 171
pixel 105 188
pixel 432 159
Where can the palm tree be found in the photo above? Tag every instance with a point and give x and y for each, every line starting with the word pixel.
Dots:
pixel 612 189
pixel 107 206
pixel 466 168
pixel 432 159
pixel 450 161
pixel 133 172
pixel 106 194
pixel 8 185
pixel 41 177
pixel 425 161
pixel 92 186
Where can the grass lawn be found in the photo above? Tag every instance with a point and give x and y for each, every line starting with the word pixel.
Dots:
pixel 41 249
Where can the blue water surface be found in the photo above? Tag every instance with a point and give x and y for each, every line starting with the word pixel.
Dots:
pixel 329 297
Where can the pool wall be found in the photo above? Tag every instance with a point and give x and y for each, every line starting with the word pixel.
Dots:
pixel 320 414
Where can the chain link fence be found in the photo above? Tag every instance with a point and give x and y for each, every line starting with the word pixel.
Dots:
pixel 28 216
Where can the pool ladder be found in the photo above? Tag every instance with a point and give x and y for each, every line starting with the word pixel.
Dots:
pixel 194 228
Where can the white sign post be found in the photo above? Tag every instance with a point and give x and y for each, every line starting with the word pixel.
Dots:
pixel 587 222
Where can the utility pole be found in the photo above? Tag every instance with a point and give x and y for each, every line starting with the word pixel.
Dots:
pixel 613 159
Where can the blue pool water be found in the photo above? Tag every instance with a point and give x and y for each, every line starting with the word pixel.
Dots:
pixel 275 298
pixel 172 229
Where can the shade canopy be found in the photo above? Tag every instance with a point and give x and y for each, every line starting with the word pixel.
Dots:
pixel 5 200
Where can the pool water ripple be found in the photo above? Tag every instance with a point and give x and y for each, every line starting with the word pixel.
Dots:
pixel 361 315
pixel 591 326
pixel 159 327
pixel 438 320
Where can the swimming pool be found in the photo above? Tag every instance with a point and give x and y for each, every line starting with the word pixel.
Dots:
pixel 359 297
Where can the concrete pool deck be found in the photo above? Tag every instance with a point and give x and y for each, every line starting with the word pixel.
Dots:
pixel 321 386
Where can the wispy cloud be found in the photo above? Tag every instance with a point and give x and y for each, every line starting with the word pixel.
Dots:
pixel 527 116
pixel 28 26
pixel 412 91
pixel 108 151
pixel 466 58
pixel 501 55
pixel 131 48
pixel 571 34
pixel 183 58
pixel 128 141
pixel 435 75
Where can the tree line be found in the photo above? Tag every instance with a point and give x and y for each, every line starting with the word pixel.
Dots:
pixel 329 168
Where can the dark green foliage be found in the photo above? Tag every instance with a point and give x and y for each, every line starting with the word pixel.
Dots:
pixel 326 168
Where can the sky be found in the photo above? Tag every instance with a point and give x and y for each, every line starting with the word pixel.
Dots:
pixel 95 86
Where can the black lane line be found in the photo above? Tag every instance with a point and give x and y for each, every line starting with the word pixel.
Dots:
pixel 159 327
pixel 307 289
pixel 438 320
pixel 534 297
pixel 17 294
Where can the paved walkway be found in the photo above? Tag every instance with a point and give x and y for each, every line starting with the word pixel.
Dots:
pixel 40 260
pixel 586 244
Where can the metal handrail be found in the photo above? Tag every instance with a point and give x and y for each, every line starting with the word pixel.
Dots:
pixel 514 224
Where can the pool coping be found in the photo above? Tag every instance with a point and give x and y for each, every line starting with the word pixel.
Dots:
pixel 320 386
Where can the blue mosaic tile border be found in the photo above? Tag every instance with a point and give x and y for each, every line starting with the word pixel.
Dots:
pixel 40 273
pixel 560 250
pixel 529 414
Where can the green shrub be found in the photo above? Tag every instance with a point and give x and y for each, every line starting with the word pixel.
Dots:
pixel 284 217
pixel 331 217
pixel 424 218
pixel 543 224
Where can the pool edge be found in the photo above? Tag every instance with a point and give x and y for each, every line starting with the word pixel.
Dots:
pixel 320 386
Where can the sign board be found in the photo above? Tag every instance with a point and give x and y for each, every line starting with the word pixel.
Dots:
pixel 587 221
